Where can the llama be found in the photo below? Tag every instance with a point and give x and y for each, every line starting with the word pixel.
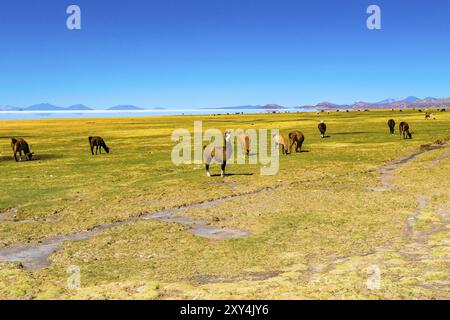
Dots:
pixel 391 124
pixel 404 130
pixel 296 137
pixel 322 128
pixel 19 145
pixel 244 140
pixel 279 141
pixel 429 116
pixel 98 143
pixel 220 154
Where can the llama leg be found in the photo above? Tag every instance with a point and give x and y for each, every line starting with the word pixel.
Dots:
pixel 207 162
pixel 20 155
pixel 222 173
pixel 96 150
pixel 15 156
pixel 92 150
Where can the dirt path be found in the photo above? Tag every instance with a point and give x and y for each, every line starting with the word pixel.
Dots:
pixel 417 250
pixel 386 171
pixel 35 255
pixel 409 257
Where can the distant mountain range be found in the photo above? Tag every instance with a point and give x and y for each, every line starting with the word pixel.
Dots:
pixel 243 107
pixel 76 107
pixel 125 107
pixel 409 102
pixel 247 107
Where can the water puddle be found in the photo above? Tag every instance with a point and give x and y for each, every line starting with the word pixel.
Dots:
pixel 198 227
pixel 34 256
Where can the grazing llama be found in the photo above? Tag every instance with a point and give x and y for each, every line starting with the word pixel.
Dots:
pixel 19 145
pixel 220 154
pixel 98 143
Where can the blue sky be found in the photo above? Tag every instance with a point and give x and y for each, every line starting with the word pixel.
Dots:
pixel 215 53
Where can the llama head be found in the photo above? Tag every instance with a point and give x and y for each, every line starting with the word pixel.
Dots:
pixel 29 155
pixel 227 136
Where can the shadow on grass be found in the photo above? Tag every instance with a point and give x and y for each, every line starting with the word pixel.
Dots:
pixel 18 136
pixel 233 174
pixel 356 132
pixel 38 157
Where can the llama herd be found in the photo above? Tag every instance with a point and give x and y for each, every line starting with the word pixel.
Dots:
pixel 403 129
pixel 19 145
pixel 223 153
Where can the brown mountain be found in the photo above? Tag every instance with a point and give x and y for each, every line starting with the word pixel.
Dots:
pixel 388 103
pixel 273 107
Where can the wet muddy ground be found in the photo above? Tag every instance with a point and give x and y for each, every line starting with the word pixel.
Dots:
pixel 35 256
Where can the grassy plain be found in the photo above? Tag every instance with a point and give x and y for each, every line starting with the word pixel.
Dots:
pixel 316 229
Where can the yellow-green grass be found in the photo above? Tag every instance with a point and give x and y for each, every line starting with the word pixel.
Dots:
pixel 316 211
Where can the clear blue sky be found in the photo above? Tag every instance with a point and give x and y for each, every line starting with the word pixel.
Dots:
pixel 214 53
